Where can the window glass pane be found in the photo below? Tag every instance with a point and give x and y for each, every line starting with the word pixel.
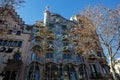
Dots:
pixel 64 56
pixel 18 33
pixel 99 54
pixel 1 42
pixel 2 49
pixel 9 50
pixel 9 32
pixel 49 55
pixel 64 27
pixel 32 56
pixel 17 56
pixel 1 22
pixel 15 43
pixel 19 43
pixel 5 42
pixel 9 43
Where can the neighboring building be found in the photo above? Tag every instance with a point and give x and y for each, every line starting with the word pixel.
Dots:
pixel 117 66
pixel 53 52
pixel 14 42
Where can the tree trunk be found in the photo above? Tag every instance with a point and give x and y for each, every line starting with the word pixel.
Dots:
pixel 112 69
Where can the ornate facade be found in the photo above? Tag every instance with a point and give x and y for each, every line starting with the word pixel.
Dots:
pixel 14 42
pixel 62 49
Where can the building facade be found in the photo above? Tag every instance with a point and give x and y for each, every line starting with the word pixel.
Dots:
pixel 14 42
pixel 59 51
pixel 117 67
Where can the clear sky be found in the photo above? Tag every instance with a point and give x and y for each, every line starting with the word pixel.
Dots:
pixel 32 10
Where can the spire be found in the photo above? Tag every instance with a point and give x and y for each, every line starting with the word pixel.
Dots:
pixel 46 15
pixel 47 8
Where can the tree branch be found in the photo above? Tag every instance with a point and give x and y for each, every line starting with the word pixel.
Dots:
pixel 116 52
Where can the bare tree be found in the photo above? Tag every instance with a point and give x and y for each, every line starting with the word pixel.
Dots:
pixel 9 3
pixel 6 5
pixel 107 25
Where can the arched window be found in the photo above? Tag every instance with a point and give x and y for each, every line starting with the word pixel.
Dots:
pixel 18 33
pixel 49 55
pixel 32 56
pixel 58 72
pixel 34 72
pixel 68 73
pixel 82 73
pixel 72 73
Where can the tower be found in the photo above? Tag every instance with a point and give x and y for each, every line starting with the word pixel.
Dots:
pixel 46 15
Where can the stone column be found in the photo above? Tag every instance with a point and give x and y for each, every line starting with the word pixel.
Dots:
pixel 77 74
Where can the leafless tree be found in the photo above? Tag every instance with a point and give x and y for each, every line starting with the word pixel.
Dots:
pixel 9 3
pixel 107 25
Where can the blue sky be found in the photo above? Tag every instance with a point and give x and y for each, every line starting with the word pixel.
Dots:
pixel 32 10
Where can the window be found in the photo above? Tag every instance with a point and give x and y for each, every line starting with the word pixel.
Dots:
pixel 79 58
pixel 99 54
pixel 9 50
pixel 64 27
pixel 10 43
pixel 19 44
pixel 32 56
pixel 9 32
pixel 1 42
pixel 105 69
pixel 66 56
pixel 49 55
pixel 18 33
pixel 5 42
pixel 51 24
pixel 82 73
pixel 93 70
pixel 10 75
pixel 17 57
pixel 65 43
pixel 34 70
pixel 15 43
pixel 1 22
pixel 50 42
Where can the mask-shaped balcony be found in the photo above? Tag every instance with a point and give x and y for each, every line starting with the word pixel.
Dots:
pixel 92 57
pixel 38 36
pixel 50 37
pixel 50 48
pixel 66 49
pixel 65 38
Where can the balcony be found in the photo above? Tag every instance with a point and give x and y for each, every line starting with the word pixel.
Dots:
pixel 92 57
pixel 50 37
pixel 65 38
pixel 66 49
pixel 50 48
pixel 38 36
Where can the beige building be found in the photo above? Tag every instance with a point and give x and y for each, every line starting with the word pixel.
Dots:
pixel 14 42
